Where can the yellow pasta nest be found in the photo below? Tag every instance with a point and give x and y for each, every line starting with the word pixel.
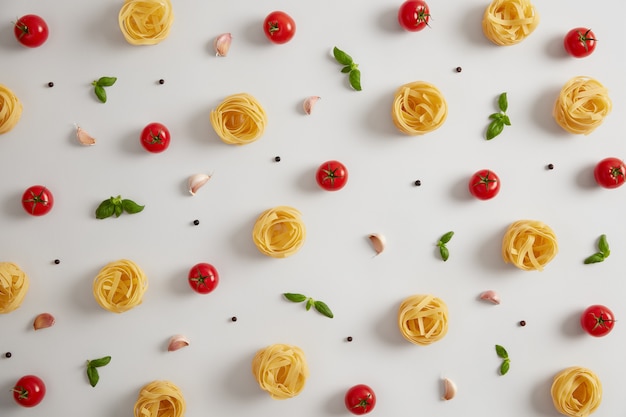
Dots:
pixel 146 22
pixel 279 232
pixel 423 319
pixel 529 245
pixel 13 287
pixel 576 392
pixel 582 105
pixel 120 286
pixel 281 370
pixel 418 108
pixel 507 22
pixel 10 109
pixel 160 399
pixel 239 119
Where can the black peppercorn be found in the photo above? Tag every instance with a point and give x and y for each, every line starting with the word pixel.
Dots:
pixel 417 183
pixel 349 338
pixel 50 84
pixel 277 159
pixel 550 166
pixel 8 355
pixel 459 69
pixel 522 323
pixel 161 81
pixel 196 222
pixel 233 318
pixel 57 261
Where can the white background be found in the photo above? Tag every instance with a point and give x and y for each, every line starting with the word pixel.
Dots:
pixel 336 264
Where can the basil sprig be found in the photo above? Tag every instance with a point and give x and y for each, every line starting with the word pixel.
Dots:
pixel 602 254
pixel 349 67
pixel 500 119
pixel 92 369
pixel 99 84
pixel 320 306
pixel 443 249
pixel 506 361
pixel 116 206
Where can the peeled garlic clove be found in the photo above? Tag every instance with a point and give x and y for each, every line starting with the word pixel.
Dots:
pixel 43 320
pixel 83 137
pixel 491 296
pixel 449 389
pixel 222 44
pixel 196 181
pixel 309 103
pixel 177 342
pixel 378 242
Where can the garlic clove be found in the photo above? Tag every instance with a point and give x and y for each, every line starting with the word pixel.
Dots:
pixel 222 44
pixel 177 342
pixel 83 137
pixel 491 296
pixel 449 389
pixel 43 321
pixel 309 103
pixel 378 242
pixel 196 181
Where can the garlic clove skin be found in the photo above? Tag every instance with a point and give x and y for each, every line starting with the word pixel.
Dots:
pixel 490 296
pixel 83 137
pixel 222 44
pixel 309 103
pixel 177 342
pixel 196 181
pixel 378 242
pixel 43 320
pixel 449 389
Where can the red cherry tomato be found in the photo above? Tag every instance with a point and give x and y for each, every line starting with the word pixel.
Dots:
pixel 31 30
pixel 37 200
pixel 360 399
pixel 597 320
pixel 332 175
pixel 203 278
pixel 610 172
pixel 414 15
pixel 484 184
pixel 579 42
pixel 155 137
pixel 279 27
pixel 29 390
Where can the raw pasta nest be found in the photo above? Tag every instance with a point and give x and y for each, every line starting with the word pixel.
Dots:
pixel 529 245
pixel 507 22
pixel 13 287
pixel 10 109
pixel 239 119
pixel 146 22
pixel 423 319
pixel 582 105
pixel 160 399
pixel 418 108
pixel 281 370
pixel 279 232
pixel 576 392
pixel 120 286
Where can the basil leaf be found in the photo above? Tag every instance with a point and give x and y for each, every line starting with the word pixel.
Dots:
pixel 106 81
pixel 595 258
pixel 118 210
pixel 100 93
pixel 503 103
pixel 603 245
pixel 92 374
pixel 504 368
pixel 309 303
pixel 446 238
pixel 506 120
pixel 296 298
pixel 105 209
pixel 99 362
pixel 444 252
pixel 342 57
pixel 346 69
pixel 323 308
pixel 496 116
pixel 494 129
pixel 131 207
pixel 501 351
pixel 355 79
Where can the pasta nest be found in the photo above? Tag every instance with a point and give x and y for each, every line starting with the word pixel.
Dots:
pixel 160 399
pixel 418 108
pixel 279 232
pixel 281 370
pixel 529 245
pixel 146 22
pixel 13 287
pixel 423 319
pixel 582 105
pixel 507 22
pixel 576 392
pixel 239 119
pixel 120 286
pixel 10 109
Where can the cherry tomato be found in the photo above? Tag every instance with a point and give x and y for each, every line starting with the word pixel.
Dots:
pixel 279 27
pixel 597 320
pixel 203 278
pixel 29 390
pixel 37 200
pixel 31 30
pixel 580 42
pixel 360 399
pixel 155 137
pixel 332 175
pixel 414 15
pixel 484 184
pixel 610 172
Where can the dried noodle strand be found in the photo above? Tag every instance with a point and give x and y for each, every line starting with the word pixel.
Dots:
pixel 281 370
pixel 507 22
pixel 423 319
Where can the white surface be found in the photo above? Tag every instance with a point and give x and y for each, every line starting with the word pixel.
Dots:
pixel 336 264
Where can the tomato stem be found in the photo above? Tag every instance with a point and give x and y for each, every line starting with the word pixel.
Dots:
pixel 601 321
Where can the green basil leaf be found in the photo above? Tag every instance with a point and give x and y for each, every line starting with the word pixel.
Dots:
pixel 355 79
pixel 506 120
pixel 100 93
pixel 501 351
pixel 496 116
pixel 92 374
pixel 118 210
pixel 342 57
pixel 444 252
pixel 494 129
pixel 503 103
pixel 595 258
pixel 296 298
pixel 106 81
pixel 97 363
pixel 346 69
pixel 323 308
pixel 131 207
pixel 603 245
pixel 504 368
pixel 309 303
pixel 105 209
pixel 446 238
